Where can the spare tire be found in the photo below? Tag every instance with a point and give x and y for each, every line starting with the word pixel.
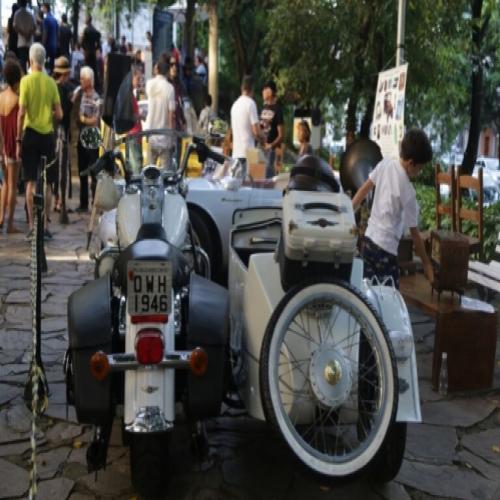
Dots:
pixel 358 161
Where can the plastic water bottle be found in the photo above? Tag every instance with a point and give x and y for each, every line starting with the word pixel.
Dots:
pixel 443 375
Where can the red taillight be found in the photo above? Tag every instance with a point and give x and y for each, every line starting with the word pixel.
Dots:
pixel 149 346
pixel 149 318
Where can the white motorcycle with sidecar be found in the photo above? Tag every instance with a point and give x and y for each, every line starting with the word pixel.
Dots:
pixel 326 357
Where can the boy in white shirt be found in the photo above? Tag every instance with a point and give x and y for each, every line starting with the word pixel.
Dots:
pixel 394 208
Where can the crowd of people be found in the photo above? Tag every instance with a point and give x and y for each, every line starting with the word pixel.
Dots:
pixel 43 53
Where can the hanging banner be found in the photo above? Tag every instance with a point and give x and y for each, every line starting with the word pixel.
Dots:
pixel 162 32
pixel 388 125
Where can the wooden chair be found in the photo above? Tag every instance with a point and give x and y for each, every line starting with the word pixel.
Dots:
pixel 405 250
pixel 468 182
pixel 446 208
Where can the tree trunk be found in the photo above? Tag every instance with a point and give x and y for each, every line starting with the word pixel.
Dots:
pixel 366 122
pixel 358 77
pixel 246 50
pixel 350 122
pixel 188 42
pixel 74 18
pixel 239 47
pixel 478 32
pixel 213 55
pixel 370 103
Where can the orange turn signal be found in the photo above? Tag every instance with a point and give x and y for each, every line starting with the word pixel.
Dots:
pixel 99 365
pixel 198 361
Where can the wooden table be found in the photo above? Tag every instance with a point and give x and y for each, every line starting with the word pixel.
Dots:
pixel 468 336
pixel 417 291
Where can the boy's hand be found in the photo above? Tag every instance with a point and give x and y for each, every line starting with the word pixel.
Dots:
pixel 429 272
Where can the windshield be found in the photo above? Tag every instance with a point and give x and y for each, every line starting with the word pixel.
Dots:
pixel 162 148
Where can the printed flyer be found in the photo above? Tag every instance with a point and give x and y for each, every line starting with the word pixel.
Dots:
pixel 388 115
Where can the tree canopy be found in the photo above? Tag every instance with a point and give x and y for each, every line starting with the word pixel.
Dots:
pixel 328 53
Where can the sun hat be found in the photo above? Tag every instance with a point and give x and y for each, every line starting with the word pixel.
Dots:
pixel 61 65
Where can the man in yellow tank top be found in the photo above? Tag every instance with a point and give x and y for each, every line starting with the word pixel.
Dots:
pixel 39 104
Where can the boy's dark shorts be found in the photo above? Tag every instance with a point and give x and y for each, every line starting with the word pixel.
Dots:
pixel 34 146
pixel 379 263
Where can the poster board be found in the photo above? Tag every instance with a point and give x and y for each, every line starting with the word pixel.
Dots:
pixel 388 125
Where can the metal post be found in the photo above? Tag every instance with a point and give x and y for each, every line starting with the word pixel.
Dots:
pixel 400 41
pixel 213 63
pixel 115 28
pixel 132 21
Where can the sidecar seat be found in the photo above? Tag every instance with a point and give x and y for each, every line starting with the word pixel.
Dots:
pixel 311 173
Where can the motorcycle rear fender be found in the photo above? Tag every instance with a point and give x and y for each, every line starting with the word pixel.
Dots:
pixel 151 386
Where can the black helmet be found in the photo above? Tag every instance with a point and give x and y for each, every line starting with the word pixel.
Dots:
pixel 311 173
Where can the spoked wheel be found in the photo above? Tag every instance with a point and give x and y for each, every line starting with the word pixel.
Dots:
pixel 312 377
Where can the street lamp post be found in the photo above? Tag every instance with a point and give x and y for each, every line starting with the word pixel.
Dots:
pixel 400 42
pixel 213 63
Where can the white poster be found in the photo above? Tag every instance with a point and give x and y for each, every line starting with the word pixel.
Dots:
pixel 388 125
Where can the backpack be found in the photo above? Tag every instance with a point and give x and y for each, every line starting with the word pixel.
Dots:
pixel 24 23
pixel 124 116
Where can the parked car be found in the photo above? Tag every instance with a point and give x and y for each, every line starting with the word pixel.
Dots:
pixel 491 186
pixel 492 164
pixel 211 204
pixel 491 167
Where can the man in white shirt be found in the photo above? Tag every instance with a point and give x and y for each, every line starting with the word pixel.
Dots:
pixel 161 107
pixel 244 121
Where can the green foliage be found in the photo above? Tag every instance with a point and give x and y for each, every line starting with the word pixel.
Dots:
pixel 242 24
pixel 426 197
pixel 427 175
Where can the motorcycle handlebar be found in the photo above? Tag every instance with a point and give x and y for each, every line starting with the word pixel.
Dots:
pixel 205 152
pixel 106 162
pixel 219 158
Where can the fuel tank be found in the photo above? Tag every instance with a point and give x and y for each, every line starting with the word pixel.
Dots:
pixel 174 218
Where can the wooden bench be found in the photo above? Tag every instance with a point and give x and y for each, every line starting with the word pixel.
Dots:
pixel 487 275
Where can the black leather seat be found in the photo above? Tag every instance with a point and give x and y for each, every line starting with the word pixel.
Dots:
pixel 311 173
pixel 151 232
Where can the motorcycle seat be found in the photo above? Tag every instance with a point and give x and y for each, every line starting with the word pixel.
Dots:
pixel 151 232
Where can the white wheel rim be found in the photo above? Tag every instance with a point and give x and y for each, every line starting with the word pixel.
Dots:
pixel 289 415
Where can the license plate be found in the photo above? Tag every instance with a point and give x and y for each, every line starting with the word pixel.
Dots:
pixel 149 287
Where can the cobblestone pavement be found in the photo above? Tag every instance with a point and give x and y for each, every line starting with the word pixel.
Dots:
pixel 455 453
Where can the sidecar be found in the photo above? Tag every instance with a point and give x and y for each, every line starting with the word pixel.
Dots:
pixel 326 357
